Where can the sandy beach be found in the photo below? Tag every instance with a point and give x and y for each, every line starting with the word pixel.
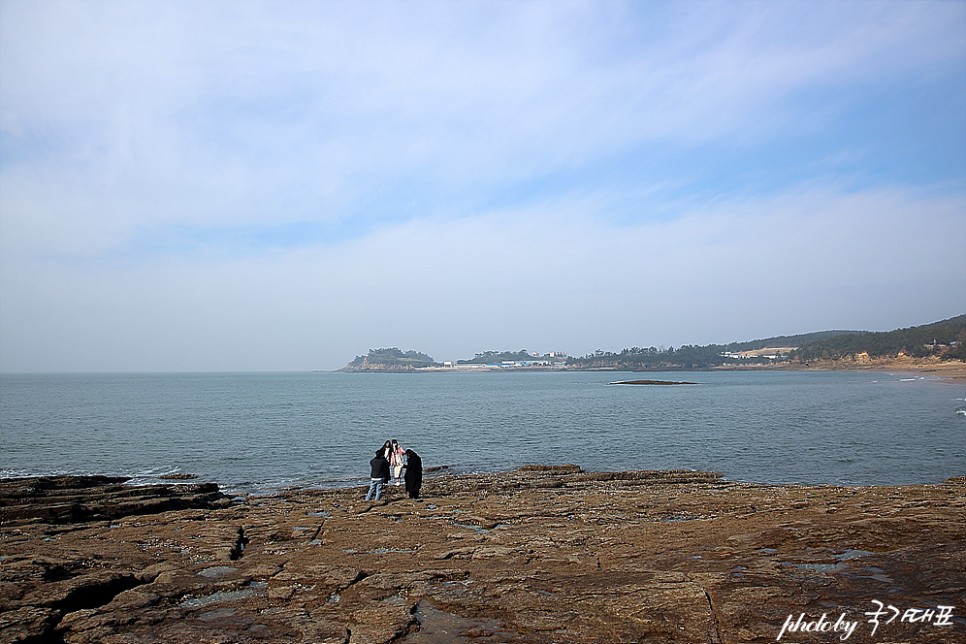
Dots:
pixel 953 370
pixel 541 554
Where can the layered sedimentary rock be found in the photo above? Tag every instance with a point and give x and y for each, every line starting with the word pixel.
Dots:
pixel 536 555
pixel 72 499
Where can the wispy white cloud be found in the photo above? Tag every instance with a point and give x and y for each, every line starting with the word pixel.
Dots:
pixel 356 173
pixel 545 279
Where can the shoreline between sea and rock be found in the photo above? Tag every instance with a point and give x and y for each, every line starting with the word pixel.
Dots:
pixel 537 554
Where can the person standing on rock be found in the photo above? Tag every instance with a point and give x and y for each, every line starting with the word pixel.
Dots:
pixel 396 461
pixel 378 475
pixel 414 474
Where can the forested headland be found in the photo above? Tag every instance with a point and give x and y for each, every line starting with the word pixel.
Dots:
pixel 940 341
pixel 945 340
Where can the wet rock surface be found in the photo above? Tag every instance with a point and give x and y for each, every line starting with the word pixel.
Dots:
pixel 541 554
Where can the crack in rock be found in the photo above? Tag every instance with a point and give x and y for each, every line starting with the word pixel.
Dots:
pixel 714 637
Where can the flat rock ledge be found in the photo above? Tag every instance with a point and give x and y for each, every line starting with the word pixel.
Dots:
pixel 72 499
pixel 540 554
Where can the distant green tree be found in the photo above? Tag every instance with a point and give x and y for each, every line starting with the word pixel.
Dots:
pixel 393 357
pixel 957 348
pixel 944 338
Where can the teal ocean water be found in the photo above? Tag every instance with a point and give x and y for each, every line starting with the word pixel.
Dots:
pixel 262 431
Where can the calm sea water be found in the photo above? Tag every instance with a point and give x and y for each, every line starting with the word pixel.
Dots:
pixel 261 431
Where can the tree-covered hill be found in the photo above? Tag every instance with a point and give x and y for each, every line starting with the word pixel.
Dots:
pixel 787 340
pixel 498 357
pixel 391 359
pixel 945 339
pixel 654 359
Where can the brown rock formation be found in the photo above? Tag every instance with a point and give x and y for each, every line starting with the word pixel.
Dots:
pixel 70 499
pixel 544 554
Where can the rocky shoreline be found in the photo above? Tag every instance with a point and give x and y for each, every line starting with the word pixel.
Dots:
pixel 540 554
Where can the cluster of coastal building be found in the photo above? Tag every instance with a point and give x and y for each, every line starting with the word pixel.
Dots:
pixel 558 360
pixel 768 353
pixel 552 360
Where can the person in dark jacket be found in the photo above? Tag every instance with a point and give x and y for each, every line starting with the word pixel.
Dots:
pixel 414 474
pixel 378 475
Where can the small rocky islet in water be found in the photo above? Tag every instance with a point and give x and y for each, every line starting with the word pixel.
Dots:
pixel 651 382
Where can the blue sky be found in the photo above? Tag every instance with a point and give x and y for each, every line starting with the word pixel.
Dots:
pixel 284 185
